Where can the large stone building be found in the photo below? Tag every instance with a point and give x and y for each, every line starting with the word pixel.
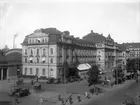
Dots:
pixel 133 48
pixel 10 63
pixel 109 55
pixel 45 51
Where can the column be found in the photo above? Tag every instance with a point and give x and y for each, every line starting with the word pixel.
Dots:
pixel 2 74
pixel 7 73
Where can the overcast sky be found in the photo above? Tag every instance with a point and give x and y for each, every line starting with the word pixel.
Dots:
pixel 120 18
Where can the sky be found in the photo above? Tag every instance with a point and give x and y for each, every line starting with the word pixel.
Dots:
pixel 120 18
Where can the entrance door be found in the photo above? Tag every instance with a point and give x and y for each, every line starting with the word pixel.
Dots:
pixel 4 73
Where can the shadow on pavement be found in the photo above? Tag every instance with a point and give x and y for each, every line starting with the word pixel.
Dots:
pixel 5 102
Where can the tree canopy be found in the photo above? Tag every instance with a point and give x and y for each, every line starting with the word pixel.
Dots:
pixel 118 71
pixel 93 75
pixel 133 65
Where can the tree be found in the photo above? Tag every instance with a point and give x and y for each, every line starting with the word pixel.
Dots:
pixel 133 65
pixel 118 72
pixel 93 75
pixel 65 70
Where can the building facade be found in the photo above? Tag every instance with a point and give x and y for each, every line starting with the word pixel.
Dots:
pixel 133 48
pixel 109 55
pixel 45 51
pixel 10 63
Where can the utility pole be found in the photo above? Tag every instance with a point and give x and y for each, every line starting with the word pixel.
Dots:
pixel 14 40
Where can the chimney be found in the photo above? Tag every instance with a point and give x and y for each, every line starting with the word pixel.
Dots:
pixel 91 31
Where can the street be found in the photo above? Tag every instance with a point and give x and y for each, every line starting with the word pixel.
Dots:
pixel 116 97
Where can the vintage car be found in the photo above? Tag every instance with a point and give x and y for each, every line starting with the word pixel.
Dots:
pixel 14 90
pixel 50 80
pixel 37 85
pixel 23 92
pixel 57 81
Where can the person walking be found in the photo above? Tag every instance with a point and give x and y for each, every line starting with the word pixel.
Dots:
pixel 79 98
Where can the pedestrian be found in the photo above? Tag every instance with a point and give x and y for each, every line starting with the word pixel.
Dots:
pixel 88 95
pixel 62 101
pixel 59 97
pixel 70 100
pixel 17 99
pixel 32 82
pixel 79 98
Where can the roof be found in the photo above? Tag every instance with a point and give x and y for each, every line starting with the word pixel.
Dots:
pixel 51 31
pixel 94 37
pixel 83 42
pixel 82 67
pixel 122 47
pixel 2 57
pixel 134 45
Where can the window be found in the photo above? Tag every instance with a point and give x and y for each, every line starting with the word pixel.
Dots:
pixel 37 71
pixel 25 51
pixel 43 40
pixel 37 51
pixel 99 59
pixel 25 60
pixel 31 60
pixel 31 52
pixel 31 71
pixel 51 60
pixel 43 60
pixel 44 50
pixel 37 60
pixel 51 72
pixel 51 50
pixel 25 71
pixel 43 72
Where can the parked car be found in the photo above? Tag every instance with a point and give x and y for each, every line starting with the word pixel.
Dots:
pixel 57 81
pixel 23 92
pixel 37 85
pixel 19 81
pixel 50 80
pixel 43 77
pixel 13 91
pixel 72 79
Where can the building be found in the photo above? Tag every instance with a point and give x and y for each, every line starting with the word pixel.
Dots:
pixel 133 48
pixel 45 51
pixel 108 52
pixel 10 63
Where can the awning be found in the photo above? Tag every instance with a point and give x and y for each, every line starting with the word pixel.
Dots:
pixel 85 66
pixel 43 59
pixel 31 59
